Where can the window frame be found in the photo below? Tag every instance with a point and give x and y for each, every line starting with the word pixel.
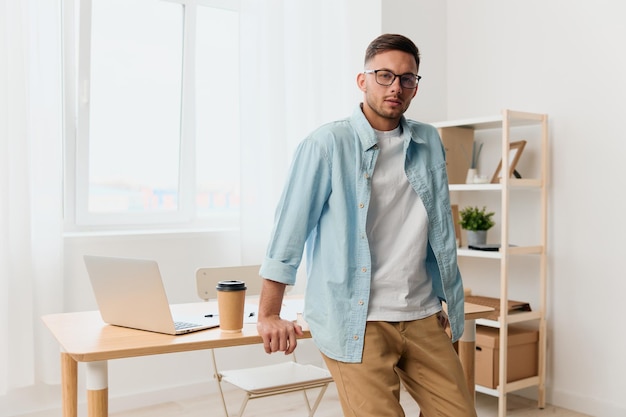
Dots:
pixel 77 70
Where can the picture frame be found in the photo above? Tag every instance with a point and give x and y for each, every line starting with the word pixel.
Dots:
pixel 457 225
pixel 515 151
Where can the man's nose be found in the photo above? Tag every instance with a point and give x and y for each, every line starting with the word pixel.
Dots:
pixel 399 84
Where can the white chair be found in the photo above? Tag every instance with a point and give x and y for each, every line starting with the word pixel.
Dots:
pixel 261 381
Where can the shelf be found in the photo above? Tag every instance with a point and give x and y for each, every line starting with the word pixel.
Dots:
pixel 525 183
pixel 511 318
pixel 521 183
pixel 490 122
pixel 456 136
pixel 473 253
pixel 475 187
pixel 516 118
pixel 513 250
pixel 526 250
pixel 510 386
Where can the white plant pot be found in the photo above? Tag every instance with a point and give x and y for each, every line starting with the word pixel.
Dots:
pixel 476 237
pixel 471 174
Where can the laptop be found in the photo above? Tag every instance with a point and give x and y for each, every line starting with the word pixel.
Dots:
pixel 130 293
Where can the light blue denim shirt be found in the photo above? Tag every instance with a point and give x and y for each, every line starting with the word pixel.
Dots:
pixel 323 210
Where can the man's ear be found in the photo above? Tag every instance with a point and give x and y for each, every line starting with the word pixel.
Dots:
pixel 361 82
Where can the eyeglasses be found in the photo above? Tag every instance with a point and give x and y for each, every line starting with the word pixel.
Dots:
pixel 386 78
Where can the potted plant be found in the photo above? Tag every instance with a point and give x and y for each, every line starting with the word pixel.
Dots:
pixel 476 221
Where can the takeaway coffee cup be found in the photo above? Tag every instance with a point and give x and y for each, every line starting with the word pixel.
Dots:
pixel 231 299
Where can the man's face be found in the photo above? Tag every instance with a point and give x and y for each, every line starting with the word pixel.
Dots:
pixel 384 105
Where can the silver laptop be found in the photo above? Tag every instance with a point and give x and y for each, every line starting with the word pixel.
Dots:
pixel 130 293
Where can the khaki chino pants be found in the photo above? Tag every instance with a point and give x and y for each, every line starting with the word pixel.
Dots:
pixel 420 354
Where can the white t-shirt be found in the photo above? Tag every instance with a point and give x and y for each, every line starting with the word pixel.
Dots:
pixel 397 230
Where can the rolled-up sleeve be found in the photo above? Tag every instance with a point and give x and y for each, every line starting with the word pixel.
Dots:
pixel 298 211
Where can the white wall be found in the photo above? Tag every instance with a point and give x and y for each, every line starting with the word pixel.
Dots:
pixel 566 59
pixel 560 57
pixel 425 23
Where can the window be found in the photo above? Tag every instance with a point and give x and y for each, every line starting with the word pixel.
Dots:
pixel 157 135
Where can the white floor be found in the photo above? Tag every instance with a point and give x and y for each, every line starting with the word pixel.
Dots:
pixel 290 405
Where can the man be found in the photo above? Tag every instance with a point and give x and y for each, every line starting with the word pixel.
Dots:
pixel 368 198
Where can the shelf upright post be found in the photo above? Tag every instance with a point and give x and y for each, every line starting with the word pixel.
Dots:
pixel 543 264
pixel 504 264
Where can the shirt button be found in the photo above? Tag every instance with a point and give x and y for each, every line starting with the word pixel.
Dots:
pixel 355 337
pixel 363 269
pixel 361 205
pixel 366 175
pixel 361 302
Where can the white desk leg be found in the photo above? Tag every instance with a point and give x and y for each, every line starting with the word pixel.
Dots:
pixel 467 354
pixel 97 389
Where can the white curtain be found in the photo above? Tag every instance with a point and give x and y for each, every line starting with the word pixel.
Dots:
pixel 30 189
pixel 299 60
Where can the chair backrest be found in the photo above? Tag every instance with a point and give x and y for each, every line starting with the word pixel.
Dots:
pixel 207 279
pixel 281 377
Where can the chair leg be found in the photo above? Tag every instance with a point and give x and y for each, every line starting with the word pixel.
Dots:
pixel 243 406
pixel 219 386
pixel 218 377
pixel 306 400
pixel 318 400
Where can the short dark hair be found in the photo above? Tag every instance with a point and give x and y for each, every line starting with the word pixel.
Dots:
pixel 392 42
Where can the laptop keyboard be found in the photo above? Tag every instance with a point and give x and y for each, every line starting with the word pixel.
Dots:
pixel 180 325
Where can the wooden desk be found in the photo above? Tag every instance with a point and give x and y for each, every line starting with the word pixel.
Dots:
pixel 84 337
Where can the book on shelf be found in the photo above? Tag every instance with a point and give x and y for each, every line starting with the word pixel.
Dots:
pixel 513 306
pixel 491 247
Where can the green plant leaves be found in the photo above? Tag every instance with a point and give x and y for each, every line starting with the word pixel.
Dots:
pixel 474 218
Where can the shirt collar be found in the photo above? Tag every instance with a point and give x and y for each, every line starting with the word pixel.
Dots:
pixel 367 135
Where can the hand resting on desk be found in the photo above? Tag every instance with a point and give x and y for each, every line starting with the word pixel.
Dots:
pixel 278 335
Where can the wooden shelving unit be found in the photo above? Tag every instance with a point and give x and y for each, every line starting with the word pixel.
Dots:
pixel 506 123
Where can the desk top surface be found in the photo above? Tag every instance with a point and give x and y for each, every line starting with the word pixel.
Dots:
pixel 85 337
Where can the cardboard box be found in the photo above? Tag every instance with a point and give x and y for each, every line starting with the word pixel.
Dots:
pixel 522 353
pixel 458 142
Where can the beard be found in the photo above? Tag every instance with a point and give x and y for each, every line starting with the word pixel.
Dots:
pixel 382 109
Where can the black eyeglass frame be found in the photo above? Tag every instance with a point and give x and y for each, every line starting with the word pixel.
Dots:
pixel 375 72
